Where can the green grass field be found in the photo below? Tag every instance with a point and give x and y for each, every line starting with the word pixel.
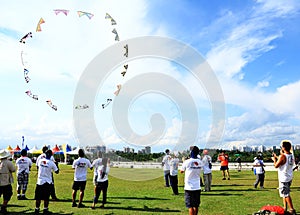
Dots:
pixel 234 197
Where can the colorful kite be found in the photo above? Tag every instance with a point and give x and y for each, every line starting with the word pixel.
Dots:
pixel 57 11
pixel 119 86
pixel 107 103
pixel 23 39
pixel 124 72
pixel 28 92
pixel 116 33
pixel 38 27
pixel 126 50
pixel 81 13
pixel 26 77
pixel 85 106
pixel 113 22
pixel 54 107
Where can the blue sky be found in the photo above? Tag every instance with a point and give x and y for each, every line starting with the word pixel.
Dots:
pixel 251 46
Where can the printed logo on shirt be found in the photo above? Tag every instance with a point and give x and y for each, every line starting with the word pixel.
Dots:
pixel 81 164
pixel 195 165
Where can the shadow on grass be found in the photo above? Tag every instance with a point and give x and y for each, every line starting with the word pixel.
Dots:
pixel 31 212
pixel 136 198
pixel 220 194
pixel 145 208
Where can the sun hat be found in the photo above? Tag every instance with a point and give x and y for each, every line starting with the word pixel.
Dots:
pixel 4 154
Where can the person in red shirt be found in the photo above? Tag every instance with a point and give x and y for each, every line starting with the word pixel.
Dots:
pixel 223 158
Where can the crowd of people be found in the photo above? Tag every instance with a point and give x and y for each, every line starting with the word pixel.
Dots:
pixel 197 163
pixel 46 166
pixel 192 167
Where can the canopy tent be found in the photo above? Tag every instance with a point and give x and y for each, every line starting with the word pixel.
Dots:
pixel 9 148
pixel 35 150
pixel 75 152
pixel 17 149
pixel 56 150
pixel 26 148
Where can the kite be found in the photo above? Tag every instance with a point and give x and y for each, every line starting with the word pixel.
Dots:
pixel 126 50
pixel 116 33
pixel 118 89
pixel 113 22
pixel 85 106
pixel 107 103
pixel 28 92
pixel 38 27
pixel 23 39
pixel 81 13
pixel 57 11
pixel 26 77
pixel 124 72
pixel 22 60
pixel 54 107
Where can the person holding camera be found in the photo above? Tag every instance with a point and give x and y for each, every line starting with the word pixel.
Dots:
pixel 284 163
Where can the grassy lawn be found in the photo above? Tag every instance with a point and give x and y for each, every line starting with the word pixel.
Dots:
pixel 234 197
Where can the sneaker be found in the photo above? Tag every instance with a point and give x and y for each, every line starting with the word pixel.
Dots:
pixel 36 211
pixel 3 210
pixel 74 204
pixel 292 212
pixel 46 212
pixel 224 179
pixel 24 198
pixel 80 205
pixel 102 206
pixel 228 178
pixel 19 197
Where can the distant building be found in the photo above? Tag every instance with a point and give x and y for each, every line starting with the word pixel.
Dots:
pixel 261 148
pixel 128 150
pixel 96 149
pixel 148 150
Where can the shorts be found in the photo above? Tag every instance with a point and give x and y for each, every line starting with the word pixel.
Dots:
pixel 192 198
pixel 79 185
pixel 224 168
pixel 42 192
pixel 284 189
pixel 23 180
pixel 6 191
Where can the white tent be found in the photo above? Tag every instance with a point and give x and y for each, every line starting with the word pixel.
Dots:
pixel 75 152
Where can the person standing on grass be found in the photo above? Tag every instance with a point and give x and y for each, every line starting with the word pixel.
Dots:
pixel 259 171
pixel 207 166
pixel 101 182
pixel 6 179
pixel 239 161
pixel 43 155
pixel 44 181
pixel 166 167
pixel 23 165
pixel 284 162
pixel 192 188
pixel 80 165
pixel 174 162
pixel 223 158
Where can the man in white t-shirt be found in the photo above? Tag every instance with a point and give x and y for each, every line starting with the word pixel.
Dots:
pixel 174 162
pixel 259 171
pixel 23 164
pixel 43 155
pixel 285 163
pixel 207 165
pixel 44 181
pixel 192 168
pixel 101 182
pixel 80 165
pixel 166 167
